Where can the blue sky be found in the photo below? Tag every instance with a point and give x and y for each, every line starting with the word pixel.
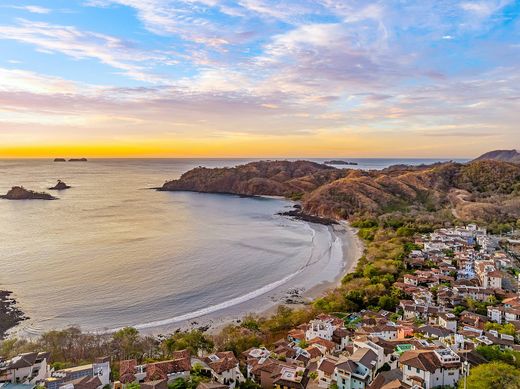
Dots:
pixel 259 77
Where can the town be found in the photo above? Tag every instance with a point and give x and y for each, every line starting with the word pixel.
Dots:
pixel 461 306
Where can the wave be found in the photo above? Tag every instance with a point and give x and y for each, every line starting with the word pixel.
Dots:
pixel 226 304
pixel 329 250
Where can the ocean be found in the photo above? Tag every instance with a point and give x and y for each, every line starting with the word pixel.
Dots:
pixel 111 252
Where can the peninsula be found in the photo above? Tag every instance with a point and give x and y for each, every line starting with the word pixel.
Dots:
pixel 482 190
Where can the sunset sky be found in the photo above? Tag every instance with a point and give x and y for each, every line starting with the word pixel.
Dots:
pixel 258 78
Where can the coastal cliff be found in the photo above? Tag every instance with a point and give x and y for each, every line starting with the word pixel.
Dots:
pixel 20 193
pixel 272 178
pixel 484 190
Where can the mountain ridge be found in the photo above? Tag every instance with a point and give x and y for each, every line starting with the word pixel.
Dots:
pixel 500 155
pixel 481 190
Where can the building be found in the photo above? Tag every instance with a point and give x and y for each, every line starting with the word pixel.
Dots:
pixel 430 368
pixel 61 378
pixel 224 368
pixel 356 371
pixel 28 368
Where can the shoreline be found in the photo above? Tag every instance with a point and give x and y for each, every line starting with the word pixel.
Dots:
pixel 10 315
pixel 335 252
pixel 342 235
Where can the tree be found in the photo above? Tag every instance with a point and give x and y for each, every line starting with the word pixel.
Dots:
pixel 126 341
pixel 194 340
pixel 493 375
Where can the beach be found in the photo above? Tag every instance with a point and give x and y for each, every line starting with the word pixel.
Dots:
pixel 157 261
pixel 335 257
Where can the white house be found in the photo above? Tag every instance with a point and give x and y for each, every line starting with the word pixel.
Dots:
pixel 430 368
pixel 319 329
pixel 357 371
pixel 28 368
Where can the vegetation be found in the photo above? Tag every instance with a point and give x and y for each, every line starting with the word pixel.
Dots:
pixel 493 375
pixel 495 354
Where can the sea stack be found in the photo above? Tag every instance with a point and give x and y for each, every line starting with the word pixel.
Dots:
pixel 20 193
pixel 60 186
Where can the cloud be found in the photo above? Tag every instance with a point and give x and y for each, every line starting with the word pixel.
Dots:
pixel 78 44
pixel 36 9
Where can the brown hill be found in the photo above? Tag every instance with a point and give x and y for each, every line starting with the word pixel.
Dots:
pixel 275 178
pixel 482 190
pixel 501 155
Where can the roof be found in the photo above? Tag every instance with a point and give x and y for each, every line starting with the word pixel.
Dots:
pixel 420 359
pixel 327 366
pixel 159 384
pixel 22 360
pixel 85 383
pixel 365 357
pixel 390 379
pixel 180 363
pixel 222 361
pixel 323 342
pixel 211 385
pixel 16 386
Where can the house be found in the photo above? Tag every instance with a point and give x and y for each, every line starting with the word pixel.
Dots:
pixel 28 368
pixel 357 371
pixel 255 357
pixel 266 373
pixel 320 329
pixel 448 321
pixel 392 379
pixel 325 346
pixel 83 383
pixel 493 279
pixel 341 336
pixel 73 376
pixel 430 368
pixel 385 331
pixel 224 368
pixel 291 378
pixel 326 371
pixel 382 348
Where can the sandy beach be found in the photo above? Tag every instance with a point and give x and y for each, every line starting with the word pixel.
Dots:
pixel 336 254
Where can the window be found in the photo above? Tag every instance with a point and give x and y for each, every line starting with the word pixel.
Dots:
pixel 417 369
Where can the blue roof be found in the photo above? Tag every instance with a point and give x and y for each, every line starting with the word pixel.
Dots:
pixel 16 386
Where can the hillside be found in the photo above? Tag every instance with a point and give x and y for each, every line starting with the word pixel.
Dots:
pixel 483 190
pixel 501 155
pixel 275 178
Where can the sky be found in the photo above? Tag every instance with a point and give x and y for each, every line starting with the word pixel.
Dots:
pixel 259 78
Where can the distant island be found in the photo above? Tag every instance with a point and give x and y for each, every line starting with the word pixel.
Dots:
pixel 339 162
pixel 71 160
pixel 20 193
pixel 60 186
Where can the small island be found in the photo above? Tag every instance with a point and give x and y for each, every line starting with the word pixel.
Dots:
pixel 60 160
pixel 339 162
pixel 60 186
pixel 78 160
pixel 20 193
